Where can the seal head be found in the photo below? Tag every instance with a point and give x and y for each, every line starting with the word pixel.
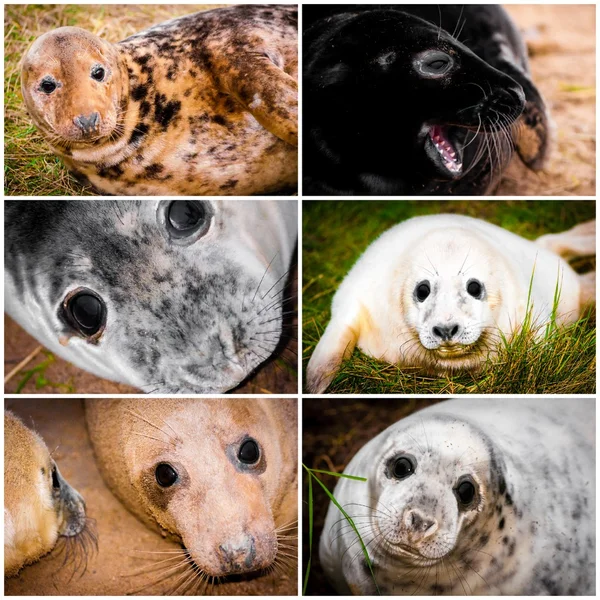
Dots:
pixel 75 85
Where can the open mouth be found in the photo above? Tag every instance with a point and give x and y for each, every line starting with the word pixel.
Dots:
pixel 444 151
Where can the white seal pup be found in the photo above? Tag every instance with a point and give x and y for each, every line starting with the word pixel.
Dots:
pixel 39 505
pixel 217 475
pixel 439 292
pixel 471 497
pixel 165 295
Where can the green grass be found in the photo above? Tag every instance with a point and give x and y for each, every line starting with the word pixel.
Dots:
pixel 38 374
pixel 30 167
pixel 336 233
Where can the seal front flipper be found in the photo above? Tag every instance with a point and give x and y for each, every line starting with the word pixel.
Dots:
pixel 335 346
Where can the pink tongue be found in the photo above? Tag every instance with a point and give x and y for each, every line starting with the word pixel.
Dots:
pixel 445 148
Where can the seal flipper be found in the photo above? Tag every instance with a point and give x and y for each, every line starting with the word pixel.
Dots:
pixel 577 241
pixel 335 346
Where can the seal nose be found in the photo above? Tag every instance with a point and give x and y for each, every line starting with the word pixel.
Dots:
pixel 86 124
pixel 419 525
pixel 238 555
pixel 446 332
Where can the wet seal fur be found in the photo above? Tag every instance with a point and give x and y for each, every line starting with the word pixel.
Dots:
pixel 528 466
pixel 395 104
pixel 195 314
pixel 39 505
pixel 435 292
pixel 231 516
pixel 204 104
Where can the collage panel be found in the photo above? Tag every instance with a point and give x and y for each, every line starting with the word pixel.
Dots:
pixel 464 497
pixel 151 496
pixel 448 99
pixel 451 296
pixel 158 296
pixel 151 99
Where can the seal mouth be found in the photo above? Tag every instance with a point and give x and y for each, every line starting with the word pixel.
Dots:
pixel 444 151
pixel 454 350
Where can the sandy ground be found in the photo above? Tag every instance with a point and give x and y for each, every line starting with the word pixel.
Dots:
pixel 334 430
pixel 124 563
pixel 562 47
pixel 61 377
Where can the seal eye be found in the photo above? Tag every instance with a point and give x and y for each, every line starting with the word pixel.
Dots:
pixel 165 475
pixel 403 468
pixel 55 480
pixel 422 290
pixel 98 73
pixel 249 452
pixel 85 312
pixel 474 288
pixel 465 492
pixel 48 85
pixel 433 63
pixel 184 217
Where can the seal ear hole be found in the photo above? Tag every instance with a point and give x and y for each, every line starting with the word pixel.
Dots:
pixel 475 288
pixel 187 219
pixel 55 480
pixel 85 312
pixel 165 475
pixel 466 492
pixel 98 73
pixel 422 291
pixel 249 452
pixel 48 85
pixel 402 467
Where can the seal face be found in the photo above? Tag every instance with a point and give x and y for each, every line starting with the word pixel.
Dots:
pixel 458 497
pixel 396 104
pixel 441 292
pixel 39 505
pixel 205 104
pixel 217 474
pixel 166 295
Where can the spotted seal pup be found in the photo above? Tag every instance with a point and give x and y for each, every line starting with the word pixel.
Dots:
pixel 204 104
pixel 439 292
pixel 168 296
pixel 471 497
pixel 394 103
pixel 219 475
pixel 39 505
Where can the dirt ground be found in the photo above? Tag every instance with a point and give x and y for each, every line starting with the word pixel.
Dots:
pixel 562 45
pixel 125 562
pixel 56 376
pixel 334 430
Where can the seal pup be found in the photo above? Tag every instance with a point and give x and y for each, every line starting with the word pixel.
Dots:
pixel 471 497
pixel 204 104
pixel 164 295
pixel 217 475
pixel 395 104
pixel 39 505
pixel 440 292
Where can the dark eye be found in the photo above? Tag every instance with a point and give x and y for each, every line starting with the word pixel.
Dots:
pixel 474 288
pixel 98 73
pixel 433 63
pixel 165 475
pixel 465 492
pixel 85 312
pixel 437 65
pixel 55 480
pixel 249 452
pixel 422 290
pixel 403 467
pixel 185 217
pixel 48 85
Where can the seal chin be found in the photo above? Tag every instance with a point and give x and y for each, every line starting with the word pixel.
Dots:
pixel 444 151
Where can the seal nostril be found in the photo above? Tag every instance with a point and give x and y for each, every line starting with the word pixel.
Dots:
pixel 454 331
pixel 437 332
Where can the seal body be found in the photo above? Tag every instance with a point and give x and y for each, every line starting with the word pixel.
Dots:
pixel 165 295
pixel 395 103
pixel 439 292
pixel 205 104
pixel 39 505
pixel 235 466
pixel 482 497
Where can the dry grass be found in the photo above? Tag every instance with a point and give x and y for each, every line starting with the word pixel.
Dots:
pixel 30 167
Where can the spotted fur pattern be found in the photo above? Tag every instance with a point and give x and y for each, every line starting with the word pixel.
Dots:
pixel 204 104
pixel 180 318
pixel 529 531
